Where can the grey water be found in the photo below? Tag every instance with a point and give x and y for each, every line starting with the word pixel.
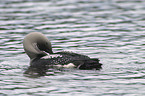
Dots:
pixel 111 30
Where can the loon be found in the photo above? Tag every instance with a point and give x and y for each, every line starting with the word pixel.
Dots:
pixel 39 50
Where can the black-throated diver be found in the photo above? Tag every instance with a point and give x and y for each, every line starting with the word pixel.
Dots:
pixel 37 47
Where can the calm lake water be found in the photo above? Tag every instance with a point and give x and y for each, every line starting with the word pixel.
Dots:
pixel 111 30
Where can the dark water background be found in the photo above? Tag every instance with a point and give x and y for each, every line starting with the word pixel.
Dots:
pixel 112 30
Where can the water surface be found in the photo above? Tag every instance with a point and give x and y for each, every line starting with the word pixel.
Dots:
pixel 111 30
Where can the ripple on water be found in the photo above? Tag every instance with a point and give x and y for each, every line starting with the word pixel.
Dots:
pixel 110 30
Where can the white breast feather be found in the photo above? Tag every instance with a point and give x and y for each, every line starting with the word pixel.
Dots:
pixel 70 65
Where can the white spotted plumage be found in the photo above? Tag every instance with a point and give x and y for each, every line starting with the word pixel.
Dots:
pixel 51 56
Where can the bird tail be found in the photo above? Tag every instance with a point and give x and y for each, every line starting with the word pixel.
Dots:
pixel 93 63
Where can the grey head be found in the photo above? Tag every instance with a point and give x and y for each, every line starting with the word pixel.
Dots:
pixel 36 44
